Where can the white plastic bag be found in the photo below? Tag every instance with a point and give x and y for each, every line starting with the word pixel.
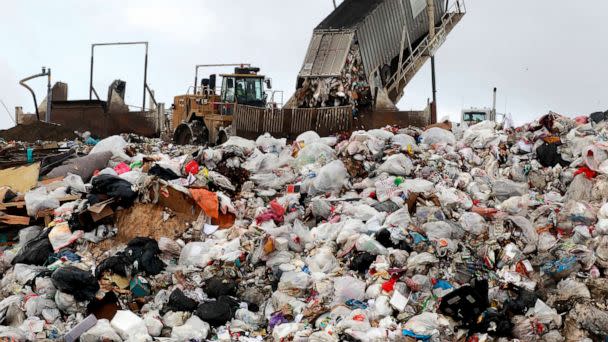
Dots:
pixel 426 324
pixel 331 177
pixel 473 223
pixel 74 182
pixel 397 164
pixel 400 219
pixel 130 326
pixel 246 145
pixel 403 140
pixel 546 315
pixel 196 254
pixel 594 156
pixel 115 144
pixel 366 243
pixel 268 144
pixel 315 152
pixel 418 185
pixel 346 288
pixel 323 261
pixel 39 199
pixel 308 137
pixel 102 331
pixel 436 135
pixel 193 330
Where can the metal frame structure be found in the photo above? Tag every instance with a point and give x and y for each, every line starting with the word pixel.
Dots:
pixel 145 86
pixel 45 72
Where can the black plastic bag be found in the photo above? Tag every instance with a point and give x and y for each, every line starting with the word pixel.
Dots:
pixel 35 251
pixel 145 252
pixel 519 303
pixel 162 173
pixel 598 117
pixel 216 287
pixel 218 312
pixel 112 186
pixel 467 302
pixel 384 238
pixel 117 264
pixel 80 284
pixel 494 323
pixel 141 255
pixel 178 301
pixel 548 156
pixel 361 262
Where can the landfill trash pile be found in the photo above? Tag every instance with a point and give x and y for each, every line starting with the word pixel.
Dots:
pixel 483 233
pixel 350 88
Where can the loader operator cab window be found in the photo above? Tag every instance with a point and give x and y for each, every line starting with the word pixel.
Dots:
pixel 244 90
pixel 228 90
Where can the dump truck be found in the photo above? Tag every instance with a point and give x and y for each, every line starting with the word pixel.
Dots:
pixel 359 60
pixel 204 116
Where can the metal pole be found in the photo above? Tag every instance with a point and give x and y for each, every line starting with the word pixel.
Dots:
pixel 494 105
pixel 91 74
pixel 49 97
pixel 431 16
pixel 335 4
pixel 195 78
pixel 433 79
pixel 143 106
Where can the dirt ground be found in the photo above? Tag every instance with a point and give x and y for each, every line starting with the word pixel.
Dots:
pixel 37 130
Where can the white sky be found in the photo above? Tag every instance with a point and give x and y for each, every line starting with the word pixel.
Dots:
pixel 542 54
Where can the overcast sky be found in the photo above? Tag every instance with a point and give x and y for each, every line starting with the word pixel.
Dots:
pixel 542 54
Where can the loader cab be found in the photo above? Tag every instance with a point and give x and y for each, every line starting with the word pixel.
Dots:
pixel 244 87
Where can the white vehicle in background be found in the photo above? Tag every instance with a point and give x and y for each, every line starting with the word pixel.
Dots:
pixel 474 116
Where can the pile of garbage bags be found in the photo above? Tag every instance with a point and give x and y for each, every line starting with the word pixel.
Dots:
pixel 482 233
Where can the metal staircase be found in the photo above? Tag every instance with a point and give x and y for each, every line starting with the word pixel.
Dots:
pixel 413 63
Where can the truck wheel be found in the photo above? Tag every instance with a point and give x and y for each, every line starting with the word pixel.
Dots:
pixel 194 133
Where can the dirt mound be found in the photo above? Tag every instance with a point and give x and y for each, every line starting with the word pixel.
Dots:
pixel 37 130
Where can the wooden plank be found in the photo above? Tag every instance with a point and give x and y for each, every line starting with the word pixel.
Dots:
pixel 4 206
pixel 14 219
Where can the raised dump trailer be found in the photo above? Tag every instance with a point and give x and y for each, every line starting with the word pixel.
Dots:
pixel 357 65
pixel 366 51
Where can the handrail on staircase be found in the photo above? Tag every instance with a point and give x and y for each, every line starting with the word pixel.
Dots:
pixel 457 7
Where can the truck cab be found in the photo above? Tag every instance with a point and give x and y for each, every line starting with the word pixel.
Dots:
pixel 476 115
